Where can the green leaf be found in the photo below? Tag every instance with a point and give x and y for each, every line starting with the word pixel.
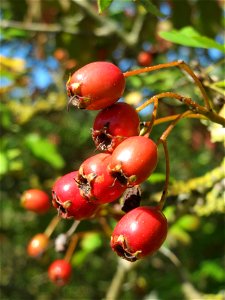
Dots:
pixel 91 242
pixel 103 4
pixel 79 257
pixel 188 36
pixel 180 235
pixel 135 82
pixel 212 270
pixel 11 33
pixel 162 80
pixel 150 7
pixel 156 177
pixel 45 150
pixel 4 164
pixel 189 222
pixel 220 84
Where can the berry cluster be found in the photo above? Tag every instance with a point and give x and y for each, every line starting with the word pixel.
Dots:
pixel 125 160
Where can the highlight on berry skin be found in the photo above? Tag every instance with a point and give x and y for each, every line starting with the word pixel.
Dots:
pixel 37 245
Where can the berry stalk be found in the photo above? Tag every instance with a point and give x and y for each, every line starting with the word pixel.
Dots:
pixel 71 248
pixel 52 225
pixel 182 65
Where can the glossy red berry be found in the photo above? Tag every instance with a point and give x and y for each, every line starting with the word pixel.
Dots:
pixel 133 160
pixel 66 197
pixel 139 233
pixel 35 200
pixel 114 124
pixel 59 272
pixel 96 183
pixel 144 58
pixel 37 245
pixel 96 85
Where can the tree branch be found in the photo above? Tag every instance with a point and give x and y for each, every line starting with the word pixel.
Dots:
pixel 109 26
pixel 39 27
pixel 123 268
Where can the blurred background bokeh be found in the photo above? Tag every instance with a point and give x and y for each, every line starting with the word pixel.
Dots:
pixel 42 43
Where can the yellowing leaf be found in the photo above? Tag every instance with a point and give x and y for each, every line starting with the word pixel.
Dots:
pixel 133 98
pixel 218 131
pixel 14 64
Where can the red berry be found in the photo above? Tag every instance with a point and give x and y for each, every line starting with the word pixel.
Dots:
pixel 61 54
pixel 139 233
pixel 144 58
pixel 96 183
pixel 133 160
pixel 96 85
pixel 37 245
pixel 114 124
pixel 59 272
pixel 35 200
pixel 68 200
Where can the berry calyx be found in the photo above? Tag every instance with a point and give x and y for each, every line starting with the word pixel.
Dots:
pixel 95 182
pixel 114 124
pixel 37 245
pixel 35 200
pixel 95 86
pixel 66 197
pixel 133 160
pixel 59 272
pixel 139 233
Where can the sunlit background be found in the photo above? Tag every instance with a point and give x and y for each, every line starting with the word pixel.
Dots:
pixel 42 44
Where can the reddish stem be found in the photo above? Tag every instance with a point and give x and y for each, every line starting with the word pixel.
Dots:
pixel 182 65
pixel 71 248
pixel 52 225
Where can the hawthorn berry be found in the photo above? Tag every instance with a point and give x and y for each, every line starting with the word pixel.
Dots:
pixel 66 197
pixel 144 58
pixel 139 233
pixel 59 272
pixel 35 200
pixel 37 245
pixel 95 181
pixel 114 124
pixel 95 86
pixel 133 160
pixel 61 54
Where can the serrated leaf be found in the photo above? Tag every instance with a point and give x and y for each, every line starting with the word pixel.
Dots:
pixel 188 36
pixel 150 7
pixel 103 4
pixel 45 150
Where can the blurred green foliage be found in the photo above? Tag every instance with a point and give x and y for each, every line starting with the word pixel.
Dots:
pixel 42 42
